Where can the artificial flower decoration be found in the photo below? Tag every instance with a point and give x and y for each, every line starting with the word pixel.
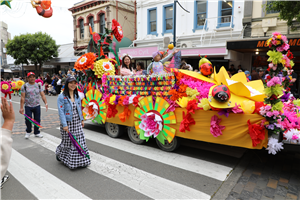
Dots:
pixel 111 110
pixel 117 30
pixel 5 87
pixel 158 106
pixel 13 85
pixel 39 81
pixel 192 93
pixel 103 66
pixel 183 102
pixel 192 106
pixel 256 132
pixel 85 61
pixel 186 122
pixel 93 107
pixel 204 104
pixel 215 127
pixel 20 83
pixel 123 116
pixel 293 135
pixel 151 124
pixel 278 42
pixel 274 146
pixel 248 107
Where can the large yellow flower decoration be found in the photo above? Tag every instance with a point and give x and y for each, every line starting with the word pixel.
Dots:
pixel 240 89
pixel 104 66
pixel 20 83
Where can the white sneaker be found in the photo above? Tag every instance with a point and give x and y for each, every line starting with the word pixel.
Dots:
pixel 27 135
pixel 39 135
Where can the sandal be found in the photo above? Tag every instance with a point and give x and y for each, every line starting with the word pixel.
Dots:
pixel 4 179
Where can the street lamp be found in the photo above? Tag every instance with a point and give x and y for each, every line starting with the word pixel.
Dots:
pixel 174 14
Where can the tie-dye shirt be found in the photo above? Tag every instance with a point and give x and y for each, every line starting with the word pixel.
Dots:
pixel 32 94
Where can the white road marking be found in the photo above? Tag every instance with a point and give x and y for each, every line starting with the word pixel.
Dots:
pixel 143 182
pixel 195 165
pixel 42 184
pixel 41 106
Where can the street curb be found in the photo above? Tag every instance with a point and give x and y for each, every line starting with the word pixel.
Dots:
pixel 227 185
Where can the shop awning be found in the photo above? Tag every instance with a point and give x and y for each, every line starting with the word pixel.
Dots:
pixel 6 71
pixel 252 45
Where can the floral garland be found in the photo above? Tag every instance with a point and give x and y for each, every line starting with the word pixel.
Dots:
pixel 279 120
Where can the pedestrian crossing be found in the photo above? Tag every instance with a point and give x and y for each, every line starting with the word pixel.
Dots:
pixel 148 173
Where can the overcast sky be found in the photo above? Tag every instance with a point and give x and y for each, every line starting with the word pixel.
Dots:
pixel 23 18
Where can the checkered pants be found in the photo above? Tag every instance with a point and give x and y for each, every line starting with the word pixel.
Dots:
pixel 66 151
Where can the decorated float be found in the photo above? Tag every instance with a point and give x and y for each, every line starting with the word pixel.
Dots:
pixel 210 107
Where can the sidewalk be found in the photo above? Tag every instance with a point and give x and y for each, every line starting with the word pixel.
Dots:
pixel 269 177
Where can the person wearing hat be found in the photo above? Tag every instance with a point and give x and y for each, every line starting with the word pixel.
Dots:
pixel 71 120
pixel 157 65
pixel 30 96
pixel 247 73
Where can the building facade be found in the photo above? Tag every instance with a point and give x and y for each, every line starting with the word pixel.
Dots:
pixel 4 36
pixel 100 14
pixel 204 30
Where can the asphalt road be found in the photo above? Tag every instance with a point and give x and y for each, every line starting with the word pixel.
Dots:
pixel 119 169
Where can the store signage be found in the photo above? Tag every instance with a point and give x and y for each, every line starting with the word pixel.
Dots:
pixel 138 52
pixel 292 43
pixel 48 66
pixel 204 51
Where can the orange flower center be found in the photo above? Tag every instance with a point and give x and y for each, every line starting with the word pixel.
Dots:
pixel 106 66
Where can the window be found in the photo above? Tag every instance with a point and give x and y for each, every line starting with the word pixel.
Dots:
pixel 102 23
pixel 168 18
pixel 225 13
pixel 81 29
pixel 152 16
pixel 271 11
pixel 91 22
pixel 200 14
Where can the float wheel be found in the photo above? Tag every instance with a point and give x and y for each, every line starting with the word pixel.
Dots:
pixel 134 137
pixel 114 130
pixel 169 146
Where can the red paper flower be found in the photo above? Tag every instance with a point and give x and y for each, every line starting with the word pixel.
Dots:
pixel 290 55
pixel 192 106
pixel 257 133
pixel 186 122
pixel 117 30
pixel 258 105
pixel 111 111
pixel 136 100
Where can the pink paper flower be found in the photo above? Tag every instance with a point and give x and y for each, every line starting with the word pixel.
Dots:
pixel 236 109
pixel 215 128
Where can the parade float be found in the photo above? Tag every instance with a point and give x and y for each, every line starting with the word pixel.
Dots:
pixel 210 107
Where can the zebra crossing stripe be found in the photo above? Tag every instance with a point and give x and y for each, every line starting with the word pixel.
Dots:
pixel 206 168
pixel 42 184
pixel 143 182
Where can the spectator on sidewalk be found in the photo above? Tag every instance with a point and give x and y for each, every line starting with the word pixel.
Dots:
pixel 30 95
pixel 8 114
pixel 58 85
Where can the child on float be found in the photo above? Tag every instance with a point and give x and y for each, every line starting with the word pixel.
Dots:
pixel 139 68
pixel 157 64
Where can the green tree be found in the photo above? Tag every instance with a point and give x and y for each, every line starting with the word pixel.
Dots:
pixel 34 48
pixel 288 10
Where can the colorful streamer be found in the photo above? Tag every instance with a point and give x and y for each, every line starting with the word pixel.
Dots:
pixel 33 121
pixel 78 146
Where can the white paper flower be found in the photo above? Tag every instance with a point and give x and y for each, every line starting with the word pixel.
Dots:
pixel 274 146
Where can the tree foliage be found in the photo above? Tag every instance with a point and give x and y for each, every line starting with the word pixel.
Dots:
pixel 288 10
pixel 34 49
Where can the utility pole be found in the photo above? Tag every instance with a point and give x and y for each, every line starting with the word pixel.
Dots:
pixel 174 25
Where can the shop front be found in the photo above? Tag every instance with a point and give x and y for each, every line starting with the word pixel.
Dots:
pixel 189 55
pixel 257 50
